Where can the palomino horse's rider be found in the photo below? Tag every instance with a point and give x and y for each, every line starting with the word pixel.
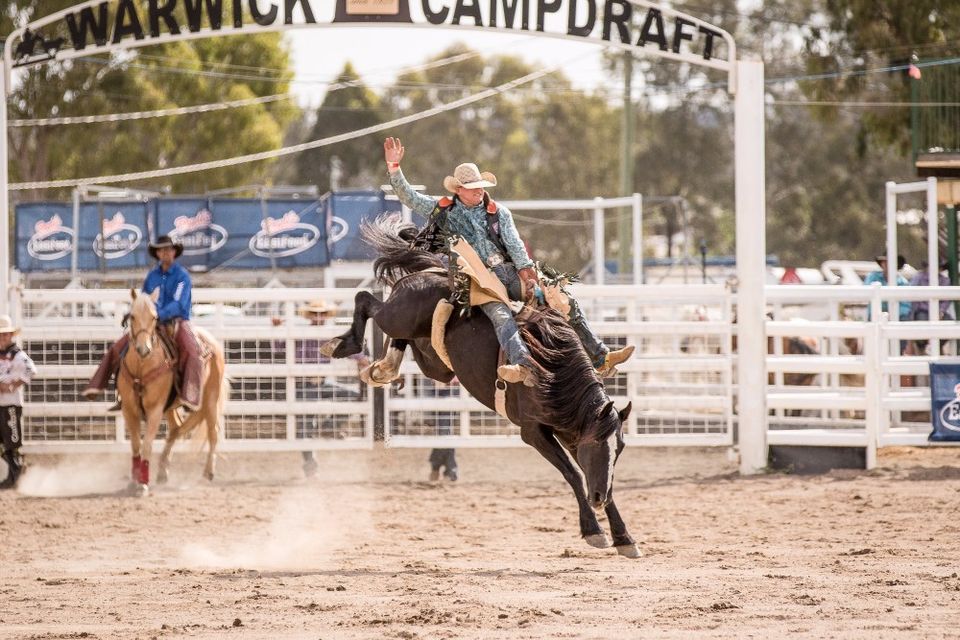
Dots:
pixel 488 227
pixel 172 282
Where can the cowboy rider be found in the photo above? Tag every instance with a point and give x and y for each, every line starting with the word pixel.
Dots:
pixel 498 244
pixel 172 282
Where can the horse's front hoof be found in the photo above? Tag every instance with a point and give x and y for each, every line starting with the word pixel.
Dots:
pixel 138 490
pixel 328 347
pixel 208 476
pixel 598 540
pixel 629 551
pixel 162 476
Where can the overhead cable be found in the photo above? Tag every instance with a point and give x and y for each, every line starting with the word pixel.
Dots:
pixel 276 153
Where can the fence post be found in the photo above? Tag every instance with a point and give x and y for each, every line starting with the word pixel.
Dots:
pixel 873 378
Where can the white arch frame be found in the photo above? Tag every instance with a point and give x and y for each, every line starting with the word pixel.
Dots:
pixel 745 82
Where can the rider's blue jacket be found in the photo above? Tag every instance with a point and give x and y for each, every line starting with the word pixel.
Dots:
pixel 469 222
pixel 175 286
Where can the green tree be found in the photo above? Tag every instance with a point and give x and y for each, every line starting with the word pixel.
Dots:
pixel 177 74
pixel 347 106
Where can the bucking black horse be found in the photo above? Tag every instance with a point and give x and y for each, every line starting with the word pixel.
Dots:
pixel 567 416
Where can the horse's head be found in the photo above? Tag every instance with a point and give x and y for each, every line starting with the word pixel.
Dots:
pixel 598 450
pixel 143 320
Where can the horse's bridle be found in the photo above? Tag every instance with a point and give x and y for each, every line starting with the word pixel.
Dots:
pixel 149 328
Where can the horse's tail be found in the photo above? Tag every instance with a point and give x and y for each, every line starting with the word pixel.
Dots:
pixel 392 237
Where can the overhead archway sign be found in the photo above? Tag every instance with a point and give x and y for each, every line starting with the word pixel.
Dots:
pixel 101 25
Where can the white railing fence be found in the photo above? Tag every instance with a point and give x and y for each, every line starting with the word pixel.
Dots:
pixel 838 374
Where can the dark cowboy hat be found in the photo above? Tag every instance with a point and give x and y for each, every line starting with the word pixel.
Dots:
pixel 164 241
pixel 900 260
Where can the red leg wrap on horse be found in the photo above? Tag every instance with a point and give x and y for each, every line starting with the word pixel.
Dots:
pixel 144 474
pixel 192 367
pixel 135 467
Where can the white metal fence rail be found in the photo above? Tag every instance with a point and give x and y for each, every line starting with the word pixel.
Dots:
pixel 854 386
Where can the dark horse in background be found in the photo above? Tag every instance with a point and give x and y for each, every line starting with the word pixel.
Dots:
pixel 567 417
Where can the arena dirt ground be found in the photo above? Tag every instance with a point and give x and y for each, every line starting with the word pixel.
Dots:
pixel 370 549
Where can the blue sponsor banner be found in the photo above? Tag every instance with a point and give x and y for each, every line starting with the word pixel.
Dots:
pixel 347 209
pixel 118 241
pixel 945 401
pixel 191 221
pixel 44 236
pixel 226 233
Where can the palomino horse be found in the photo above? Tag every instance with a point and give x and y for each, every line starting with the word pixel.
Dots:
pixel 567 417
pixel 146 383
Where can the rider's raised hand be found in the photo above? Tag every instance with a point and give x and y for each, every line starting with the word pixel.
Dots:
pixel 392 153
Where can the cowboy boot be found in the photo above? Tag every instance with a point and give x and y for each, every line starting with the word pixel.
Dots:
pixel 517 373
pixel 14 468
pixel 608 366
pixel 192 368
pixel 109 365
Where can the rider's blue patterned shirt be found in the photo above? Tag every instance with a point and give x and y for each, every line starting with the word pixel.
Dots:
pixel 468 222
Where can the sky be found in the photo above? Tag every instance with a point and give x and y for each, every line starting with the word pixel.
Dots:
pixel 378 54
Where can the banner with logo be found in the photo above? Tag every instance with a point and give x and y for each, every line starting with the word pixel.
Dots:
pixel 945 401
pixel 245 233
pixel 224 233
pixel 191 221
pixel 44 235
pixel 118 241
pixel 346 210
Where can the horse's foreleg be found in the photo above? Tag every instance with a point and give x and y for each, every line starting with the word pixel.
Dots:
pixel 622 539
pixel 153 417
pixel 541 438
pixel 131 418
pixel 351 342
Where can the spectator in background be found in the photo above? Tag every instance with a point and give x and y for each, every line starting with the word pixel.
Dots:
pixel 444 458
pixel 880 276
pixel 307 351
pixel 920 309
pixel 16 370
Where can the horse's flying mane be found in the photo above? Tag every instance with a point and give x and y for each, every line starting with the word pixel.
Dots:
pixel 391 237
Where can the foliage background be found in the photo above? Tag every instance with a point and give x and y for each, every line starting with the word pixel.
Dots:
pixel 826 163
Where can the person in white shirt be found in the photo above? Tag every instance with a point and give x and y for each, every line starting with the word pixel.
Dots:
pixel 16 370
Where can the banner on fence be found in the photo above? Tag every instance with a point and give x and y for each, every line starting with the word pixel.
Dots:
pixel 346 210
pixel 216 233
pixel 945 399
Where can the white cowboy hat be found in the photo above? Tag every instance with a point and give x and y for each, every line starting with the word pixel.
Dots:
pixel 315 306
pixel 6 325
pixel 468 176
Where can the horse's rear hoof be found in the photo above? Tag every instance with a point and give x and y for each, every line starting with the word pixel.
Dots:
pixel 162 476
pixel 629 551
pixel 598 540
pixel 208 476
pixel 328 347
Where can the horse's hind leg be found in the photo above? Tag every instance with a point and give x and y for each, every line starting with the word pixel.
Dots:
pixel 387 369
pixel 541 438
pixel 622 539
pixel 351 342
